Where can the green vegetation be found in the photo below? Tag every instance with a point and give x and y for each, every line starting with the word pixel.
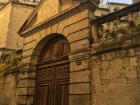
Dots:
pixel 137 23
pixel 11 63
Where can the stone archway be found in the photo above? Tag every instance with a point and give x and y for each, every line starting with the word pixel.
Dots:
pixel 52 74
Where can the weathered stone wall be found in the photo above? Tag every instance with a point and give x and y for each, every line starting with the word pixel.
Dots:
pixel 67 4
pixel 101 11
pixel 74 24
pixel 12 16
pixel 8 89
pixel 76 30
pixel 19 14
pixel 5 17
pixel 116 73
pixel 51 8
pixel 11 88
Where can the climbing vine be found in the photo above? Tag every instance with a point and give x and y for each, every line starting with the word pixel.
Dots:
pixel 11 63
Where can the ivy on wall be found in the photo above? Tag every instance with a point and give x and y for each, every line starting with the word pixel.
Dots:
pixel 11 63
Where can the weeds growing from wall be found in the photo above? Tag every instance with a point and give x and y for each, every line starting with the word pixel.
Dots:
pixel 11 63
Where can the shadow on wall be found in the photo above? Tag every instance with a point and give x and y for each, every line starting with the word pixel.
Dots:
pixel 7 90
pixel 4 100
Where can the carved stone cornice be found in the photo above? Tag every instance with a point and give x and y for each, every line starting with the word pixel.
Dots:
pixel 87 4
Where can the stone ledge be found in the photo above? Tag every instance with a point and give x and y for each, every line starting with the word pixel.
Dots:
pixel 79 99
pixel 127 42
pixel 23 69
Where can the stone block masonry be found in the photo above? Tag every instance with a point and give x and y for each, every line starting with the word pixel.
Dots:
pixel 116 74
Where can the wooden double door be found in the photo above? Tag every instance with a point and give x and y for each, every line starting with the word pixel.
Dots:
pixel 52 76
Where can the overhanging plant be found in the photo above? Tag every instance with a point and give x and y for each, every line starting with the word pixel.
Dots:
pixel 11 63
pixel 137 23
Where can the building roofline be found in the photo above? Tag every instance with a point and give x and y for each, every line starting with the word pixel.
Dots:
pixel 117 14
pixel 24 29
pixel 4 5
pixel 24 4
pixel 116 3
pixel 101 8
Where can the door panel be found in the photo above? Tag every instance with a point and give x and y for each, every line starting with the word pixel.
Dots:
pixel 52 85
pixel 52 74
pixel 62 92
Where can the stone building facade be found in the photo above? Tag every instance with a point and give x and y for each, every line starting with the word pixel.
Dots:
pixel 74 25
pixel 12 16
pixel 115 73
pixel 105 75
pixel 10 40
pixel 33 2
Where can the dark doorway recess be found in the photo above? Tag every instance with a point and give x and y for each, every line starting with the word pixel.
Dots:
pixel 52 74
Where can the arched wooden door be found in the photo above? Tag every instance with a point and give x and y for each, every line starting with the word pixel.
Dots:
pixel 52 82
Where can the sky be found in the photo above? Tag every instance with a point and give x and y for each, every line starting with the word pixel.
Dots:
pixel 120 1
